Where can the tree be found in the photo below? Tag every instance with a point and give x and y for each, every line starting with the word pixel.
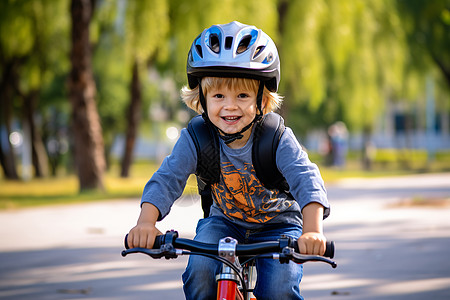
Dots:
pixel 427 29
pixel 33 35
pixel 110 70
pixel 86 128
pixel 6 152
pixel 340 60
pixel 146 26
pixel 6 95
pixel 14 51
pixel 427 25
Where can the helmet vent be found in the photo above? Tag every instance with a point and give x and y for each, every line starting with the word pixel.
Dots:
pixel 199 50
pixel 214 43
pixel 243 44
pixel 228 42
pixel 258 51
pixel 198 46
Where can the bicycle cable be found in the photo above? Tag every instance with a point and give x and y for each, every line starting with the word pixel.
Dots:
pixel 223 260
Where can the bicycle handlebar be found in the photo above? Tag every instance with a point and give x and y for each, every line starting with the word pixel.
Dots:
pixel 165 245
pixel 241 249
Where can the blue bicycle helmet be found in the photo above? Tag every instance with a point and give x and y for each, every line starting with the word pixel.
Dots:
pixel 234 50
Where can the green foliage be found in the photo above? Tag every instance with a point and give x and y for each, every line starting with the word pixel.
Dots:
pixel 387 156
pixel 426 24
pixel 340 59
pixel 112 79
pixel 125 32
pixel 13 18
pixel 146 27
pixel 36 34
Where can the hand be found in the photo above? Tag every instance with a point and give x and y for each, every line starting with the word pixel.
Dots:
pixel 312 243
pixel 143 235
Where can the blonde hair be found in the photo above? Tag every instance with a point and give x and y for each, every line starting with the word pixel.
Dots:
pixel 191 96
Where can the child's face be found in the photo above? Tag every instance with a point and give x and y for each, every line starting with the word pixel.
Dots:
pixel 231 109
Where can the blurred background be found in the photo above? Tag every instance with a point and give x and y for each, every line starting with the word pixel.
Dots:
pixel 89 89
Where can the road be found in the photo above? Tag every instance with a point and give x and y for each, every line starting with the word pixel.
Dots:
pixel 386 249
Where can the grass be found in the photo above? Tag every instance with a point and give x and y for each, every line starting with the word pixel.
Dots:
pixel 37 192
pixel 64 189
pixel 420 201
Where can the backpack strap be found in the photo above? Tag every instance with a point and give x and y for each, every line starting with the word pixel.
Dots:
pixel 266 138
pixel 206 143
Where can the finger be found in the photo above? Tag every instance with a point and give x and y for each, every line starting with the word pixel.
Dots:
pixel 143 240
pixel 128 240
pixel 150 241
pixel 323 248
pixel 135 240
pixel 317 248
pixel 302 246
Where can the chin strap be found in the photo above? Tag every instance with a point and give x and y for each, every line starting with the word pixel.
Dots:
pixel 231 137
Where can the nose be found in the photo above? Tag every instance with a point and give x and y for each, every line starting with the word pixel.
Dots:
pixel 230 103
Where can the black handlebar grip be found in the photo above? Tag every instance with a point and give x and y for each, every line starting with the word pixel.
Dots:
pixel 329 250
pixel 159 240
pixel 126 242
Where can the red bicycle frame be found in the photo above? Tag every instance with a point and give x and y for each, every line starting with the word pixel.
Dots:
pixel 226 290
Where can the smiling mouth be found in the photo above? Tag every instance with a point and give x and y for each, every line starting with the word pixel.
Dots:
pixel 231 119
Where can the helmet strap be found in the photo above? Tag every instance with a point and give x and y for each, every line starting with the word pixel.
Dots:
pixel 201 97
pixel 259 98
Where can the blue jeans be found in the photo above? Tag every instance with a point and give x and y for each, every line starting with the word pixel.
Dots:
pixel 274 280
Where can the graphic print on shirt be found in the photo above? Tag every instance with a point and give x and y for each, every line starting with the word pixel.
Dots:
pixel 241 195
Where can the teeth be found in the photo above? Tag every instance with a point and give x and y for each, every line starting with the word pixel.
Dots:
pixel 231 118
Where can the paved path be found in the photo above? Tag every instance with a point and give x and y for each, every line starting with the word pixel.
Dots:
pixel 384 251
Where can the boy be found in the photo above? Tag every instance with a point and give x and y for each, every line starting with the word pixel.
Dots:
pixel 233 75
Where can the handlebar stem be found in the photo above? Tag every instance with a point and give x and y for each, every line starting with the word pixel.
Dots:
pixel 227 249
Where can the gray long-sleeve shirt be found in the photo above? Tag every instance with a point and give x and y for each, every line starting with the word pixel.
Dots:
pixel 239 195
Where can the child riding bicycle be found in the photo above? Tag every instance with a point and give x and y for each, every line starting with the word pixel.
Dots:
pixel 233 75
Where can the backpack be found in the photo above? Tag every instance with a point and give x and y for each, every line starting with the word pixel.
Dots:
pixel 266 138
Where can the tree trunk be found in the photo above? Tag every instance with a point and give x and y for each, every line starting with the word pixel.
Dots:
pixel 134 117
pixel 86 128
pixel 283 8
pixel 7 160
pixel 39 155
pixel 441 65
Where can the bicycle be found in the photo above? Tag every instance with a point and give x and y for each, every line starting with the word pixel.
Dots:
pixel 228 251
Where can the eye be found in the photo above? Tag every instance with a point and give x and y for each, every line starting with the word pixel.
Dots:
pixel 218 96
pixel 243 95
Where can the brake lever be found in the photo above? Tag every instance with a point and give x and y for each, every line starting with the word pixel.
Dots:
pixel 289 253
pixel 167 251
